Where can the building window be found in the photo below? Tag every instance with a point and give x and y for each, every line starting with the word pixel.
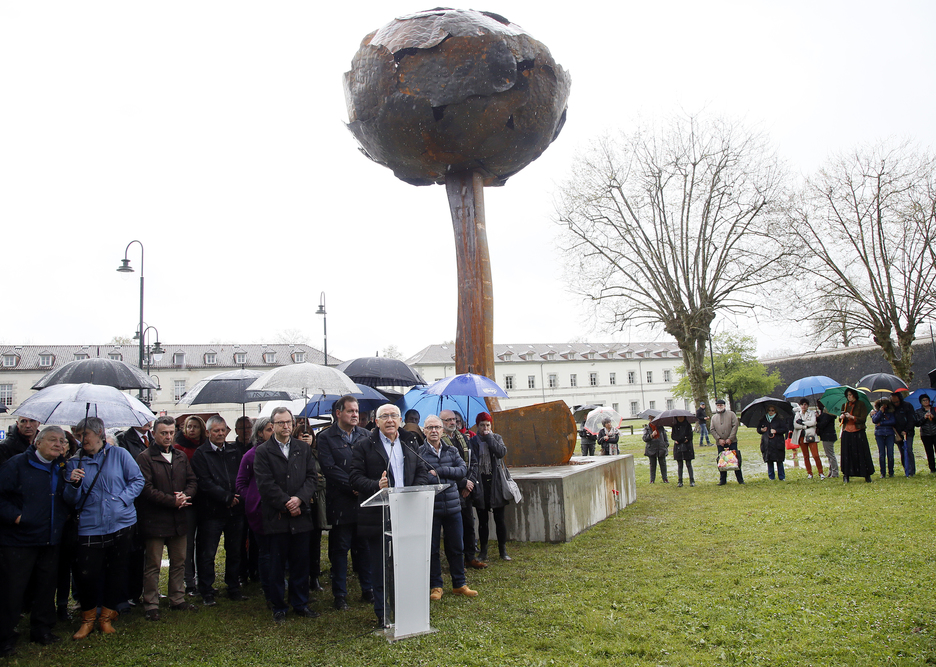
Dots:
pixel 178 359
pixel 508 382
pixel 45 360
pixel 299 357
pixel 79 356
pixel 553 381
pixel 116 356
pixel 631 377
pixel 612 378
pixel 653 405
pixel 686 404
pixel 531 382
pixel 240 358
pixel 573 380
pixel 211 358
pixel 178 389
pixel 269 357
pixel 593 379
pixel 669 404
pixel 614 407
pixel 667 376
pixel 649 377
pixel 635 408
pixel 6 394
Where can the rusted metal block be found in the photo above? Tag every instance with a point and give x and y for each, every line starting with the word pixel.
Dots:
pixel 537 435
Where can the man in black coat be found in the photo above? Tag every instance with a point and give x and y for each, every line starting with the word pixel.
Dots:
pixel 286 476
pixel 905 415
pixel 387 458
pixel 31 522
pixel 18 439
pixel 335 447
pixel 219 510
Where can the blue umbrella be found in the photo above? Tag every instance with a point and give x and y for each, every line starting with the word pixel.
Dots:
pixel 814 385
pixel 368 399
pixel 913 398
pixel 467 384
pixel 432 404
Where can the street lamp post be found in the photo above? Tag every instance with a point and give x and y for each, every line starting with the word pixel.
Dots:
pixel 321 311
pixel 155 353
pixel 126 268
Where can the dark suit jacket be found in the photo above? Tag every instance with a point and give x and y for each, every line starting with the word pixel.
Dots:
pixel 278 479
pixel 368 463
pixel 341 505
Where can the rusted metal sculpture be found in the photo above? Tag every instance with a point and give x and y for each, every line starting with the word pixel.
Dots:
pixel 467 99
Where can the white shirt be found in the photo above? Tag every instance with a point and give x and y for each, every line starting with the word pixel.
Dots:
pixel 394 452
pixel 284 447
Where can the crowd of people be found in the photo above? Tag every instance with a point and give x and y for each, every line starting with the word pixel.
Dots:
pixel 88 515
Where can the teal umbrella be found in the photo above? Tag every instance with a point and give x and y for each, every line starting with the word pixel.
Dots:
pixel 834 398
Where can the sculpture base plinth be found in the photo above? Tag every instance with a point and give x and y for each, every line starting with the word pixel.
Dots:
pixel 559 502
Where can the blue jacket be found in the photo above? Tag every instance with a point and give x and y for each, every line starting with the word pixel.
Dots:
pixel 451 469
pixel 885 422
pixel 110 507
pixel 33 491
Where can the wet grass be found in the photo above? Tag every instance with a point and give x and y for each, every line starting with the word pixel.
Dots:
pixel 801 572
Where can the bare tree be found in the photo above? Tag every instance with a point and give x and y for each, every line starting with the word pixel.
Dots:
pixel 840 325
pixel 668 227
pixel 865 227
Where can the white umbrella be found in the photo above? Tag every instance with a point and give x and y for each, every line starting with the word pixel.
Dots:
pixel 68 404
pixel 295 407
pixel 300 381
pixel 598 415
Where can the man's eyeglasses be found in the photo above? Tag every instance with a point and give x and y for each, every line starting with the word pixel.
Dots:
pixel 432 428
pixel 286 423
pixel 396 416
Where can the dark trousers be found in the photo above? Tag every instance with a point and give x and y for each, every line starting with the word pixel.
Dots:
pixel 263 562
pixel 723 476
pixel 654 461
pixel 468 531
pixel 294 549
pixel 209 537
pixel 17 566
pixel 315 553
pixel 377 565
pixel 679 467
pixel 588 448
pixel 101 571
pixel 452 524
pixel 67 546
pixel 929 446
pixel 191 581
pixel 341 537
pixel 133 586
pixel 500 526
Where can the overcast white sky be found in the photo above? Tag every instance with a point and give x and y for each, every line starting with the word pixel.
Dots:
pixel 213 133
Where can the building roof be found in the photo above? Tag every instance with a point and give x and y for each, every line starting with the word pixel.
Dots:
pixel 29 357
pixel 445 354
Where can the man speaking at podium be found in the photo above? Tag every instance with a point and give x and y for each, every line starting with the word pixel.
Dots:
pixel 387 458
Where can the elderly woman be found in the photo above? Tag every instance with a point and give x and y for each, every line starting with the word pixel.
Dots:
pixel 683 451
pixel 773 431
pixel 926 420
pixel 656 448
pixel 856 452
pixel 804 435
pixel 608 437
pixel 488 449
pixel 246 485
pixel 105 480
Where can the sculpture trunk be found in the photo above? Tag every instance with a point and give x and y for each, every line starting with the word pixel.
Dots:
pixel 474 338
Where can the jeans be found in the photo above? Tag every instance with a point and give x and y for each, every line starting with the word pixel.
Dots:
pixel 703 433
pixel 294 548
pixel 468 531
pixel 828 446
pixel 452 524
pixel 885 445
pixel 653 467
pixel 909 460
pixel 209 537
pixel 781 473
pixel 340 539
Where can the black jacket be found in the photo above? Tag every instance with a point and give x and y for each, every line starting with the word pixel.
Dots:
pixel 682 441
pixel 825 427
pixel 216 473
pixel 25 485
pixel 279 479
pixel 459 441
pixel 15 443
pixel 368 463
pixel 905 414
pixel 341 505
pixel 132 442
pixel 485 497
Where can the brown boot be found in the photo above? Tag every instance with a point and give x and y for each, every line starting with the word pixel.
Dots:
pixel 108 616
pixel 87 624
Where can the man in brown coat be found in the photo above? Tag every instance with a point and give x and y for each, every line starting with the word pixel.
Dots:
pixel 163 507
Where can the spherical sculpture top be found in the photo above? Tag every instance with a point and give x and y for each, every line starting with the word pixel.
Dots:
pixel 451 90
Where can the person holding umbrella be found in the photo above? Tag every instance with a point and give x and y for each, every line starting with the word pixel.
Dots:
pixel 683 451
pixel 773 429
pixel 608 437
pixel 656 449
pixel 926 420
pixel 855 450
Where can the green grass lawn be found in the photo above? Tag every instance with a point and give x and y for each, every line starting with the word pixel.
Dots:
pixel 801 572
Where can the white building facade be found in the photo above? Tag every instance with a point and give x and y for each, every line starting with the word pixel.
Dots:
pixel 626 377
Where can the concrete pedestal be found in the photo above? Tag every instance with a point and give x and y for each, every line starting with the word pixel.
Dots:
pixel 559 502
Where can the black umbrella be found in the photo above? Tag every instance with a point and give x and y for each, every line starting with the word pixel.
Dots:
pixel 932 377
pixel 580 413
pixel 380 372
pixel 650 413
pixel 756 409
pixel 881 383
pixel 668 417
pixel 228 387
pixel 101 371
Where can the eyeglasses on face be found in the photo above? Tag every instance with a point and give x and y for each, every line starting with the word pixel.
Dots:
pixel 432 428
pixel 396 416
pixel 283 423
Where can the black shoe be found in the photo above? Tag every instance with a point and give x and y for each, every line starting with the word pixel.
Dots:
pixel 722 483
pixel 314 585
pixel 844 479
pixel 183 606
pixel 341 604
pixel 305 612
pixel 691 483
pixel 868 479
pixel 63 614
pixel 679 486
pixel 209 600
pixel 237 596
pixel 279 617
pixel 191 590
pixel 152 614
pixel 46 640
pixel 367 596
